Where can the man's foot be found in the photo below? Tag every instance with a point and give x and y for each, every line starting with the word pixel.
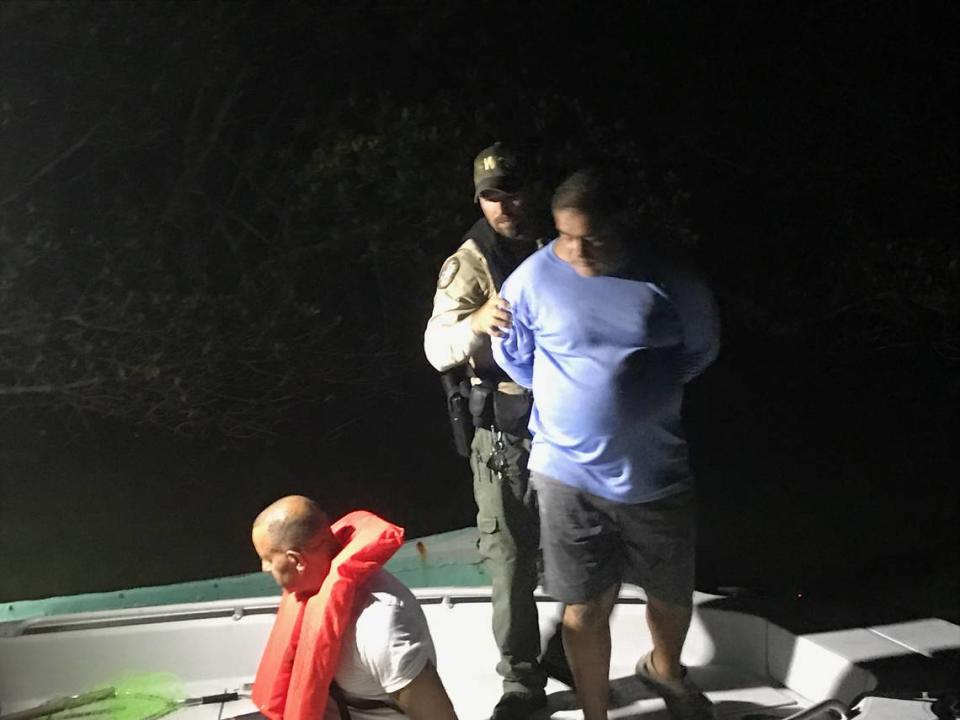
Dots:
pixel 518 706
pixel 684 699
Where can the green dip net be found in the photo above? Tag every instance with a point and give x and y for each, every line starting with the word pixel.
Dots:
pixel 134 697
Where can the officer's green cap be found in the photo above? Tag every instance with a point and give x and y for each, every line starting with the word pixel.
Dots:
pixel 496 168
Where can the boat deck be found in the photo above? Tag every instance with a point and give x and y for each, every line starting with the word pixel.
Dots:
pixel 736 691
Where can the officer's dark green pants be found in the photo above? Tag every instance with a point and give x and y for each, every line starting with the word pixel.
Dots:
pixel 509 544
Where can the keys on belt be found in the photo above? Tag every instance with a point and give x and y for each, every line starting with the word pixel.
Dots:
pixel 498 458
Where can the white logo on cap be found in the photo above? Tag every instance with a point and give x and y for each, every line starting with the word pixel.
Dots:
pixel 489 162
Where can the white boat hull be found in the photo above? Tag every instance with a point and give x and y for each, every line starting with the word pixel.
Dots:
pixel 745 664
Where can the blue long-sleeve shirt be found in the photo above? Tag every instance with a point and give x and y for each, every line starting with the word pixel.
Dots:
pixel 607 358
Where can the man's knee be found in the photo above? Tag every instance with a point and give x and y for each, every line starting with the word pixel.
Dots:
pixel 592 615
pixel 674 607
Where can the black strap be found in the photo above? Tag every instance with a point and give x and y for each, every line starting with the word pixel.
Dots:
pixel 344 703
pixel 337 694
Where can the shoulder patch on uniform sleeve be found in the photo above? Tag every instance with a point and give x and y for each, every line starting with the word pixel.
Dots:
pixel 448 272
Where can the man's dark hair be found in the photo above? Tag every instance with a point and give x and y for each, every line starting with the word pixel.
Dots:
pixel 594 193
pixel 587 191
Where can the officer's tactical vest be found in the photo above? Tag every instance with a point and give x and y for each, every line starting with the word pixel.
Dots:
pixel 509 412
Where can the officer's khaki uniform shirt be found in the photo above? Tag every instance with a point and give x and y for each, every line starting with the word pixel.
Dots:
pixel 465 283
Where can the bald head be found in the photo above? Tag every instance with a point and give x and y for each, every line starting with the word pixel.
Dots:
pixel 294 522
pixel 292 536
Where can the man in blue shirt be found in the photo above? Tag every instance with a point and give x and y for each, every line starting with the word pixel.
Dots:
pixel 606 335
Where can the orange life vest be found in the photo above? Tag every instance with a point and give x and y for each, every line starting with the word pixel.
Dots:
pixel 300 659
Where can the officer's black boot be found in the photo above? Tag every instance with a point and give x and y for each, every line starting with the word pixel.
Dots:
pixel 554 659
pixel 518 706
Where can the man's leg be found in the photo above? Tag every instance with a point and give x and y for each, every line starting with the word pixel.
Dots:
pixel 586 637
pixel 509 544
pixel 582 559
pixel 668 625
pixel 661 669
pixel 660 539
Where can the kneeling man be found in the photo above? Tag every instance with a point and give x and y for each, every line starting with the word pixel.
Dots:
pixel 350 640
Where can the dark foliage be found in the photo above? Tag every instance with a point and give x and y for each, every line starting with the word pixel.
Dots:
pixel 215 212
pixel 200 239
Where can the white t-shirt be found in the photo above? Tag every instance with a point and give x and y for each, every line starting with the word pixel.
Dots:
pixel 384 649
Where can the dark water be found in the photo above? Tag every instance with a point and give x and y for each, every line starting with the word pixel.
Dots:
pixel 842 486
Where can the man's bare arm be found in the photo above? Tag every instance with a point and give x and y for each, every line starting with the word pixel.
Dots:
pixel 425 698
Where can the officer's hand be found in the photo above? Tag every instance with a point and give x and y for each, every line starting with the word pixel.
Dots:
pixel 492 318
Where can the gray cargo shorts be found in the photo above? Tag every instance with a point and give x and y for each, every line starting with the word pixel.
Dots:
pixel 591 543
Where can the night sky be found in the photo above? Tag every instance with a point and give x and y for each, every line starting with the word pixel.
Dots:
pixel 221 225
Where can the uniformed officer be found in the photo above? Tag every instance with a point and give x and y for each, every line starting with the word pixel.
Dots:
pixel 467 311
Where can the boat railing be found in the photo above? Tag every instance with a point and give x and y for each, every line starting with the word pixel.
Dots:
pixel 139 616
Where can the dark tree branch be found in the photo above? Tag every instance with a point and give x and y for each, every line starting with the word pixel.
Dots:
pixel 52 164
